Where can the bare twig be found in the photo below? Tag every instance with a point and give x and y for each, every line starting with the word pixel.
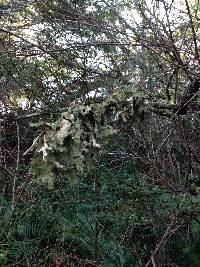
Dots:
pixel 193 30
pixel 17 166
pixel 32 147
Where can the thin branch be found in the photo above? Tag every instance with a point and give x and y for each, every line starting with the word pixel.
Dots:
pixel 193 30
pixel 32 147
pixel 17 166
pixel 22 39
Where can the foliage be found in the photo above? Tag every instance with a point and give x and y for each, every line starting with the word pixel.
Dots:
pixel 99 100
pixel 132 214
pixel 72 143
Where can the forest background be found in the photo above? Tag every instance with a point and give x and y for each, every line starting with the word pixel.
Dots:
pixel 99 133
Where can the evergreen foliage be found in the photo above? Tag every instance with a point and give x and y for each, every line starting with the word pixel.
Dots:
pixel 99 133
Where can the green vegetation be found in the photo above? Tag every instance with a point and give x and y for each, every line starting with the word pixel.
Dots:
pixel 99 133
pixel 59 225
